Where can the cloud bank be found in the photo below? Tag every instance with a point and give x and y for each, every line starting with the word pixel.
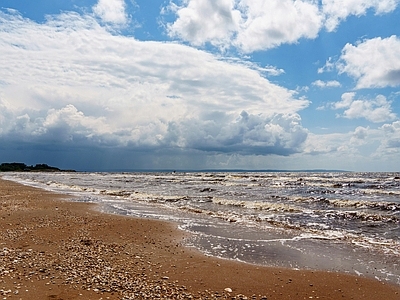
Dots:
pixel 70 81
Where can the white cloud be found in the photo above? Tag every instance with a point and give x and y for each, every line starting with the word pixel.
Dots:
pixel 377 110
pixel 373 63
pixel 326 84
pixel 343 147
pixel 347 99
pixel 250 25
pixel 55 125
pixel 392 133
pixel 267 70
pixel 72 81
pixel 201 21
pixel 249 134
pixel 111 11
pixel 362 149
pixel 360 133
pixel 328 67
pixel 67 124
pixel 322 144
pixel 359 136
pixel 272 71
pixel 267 24
pixel 389 138
pixel 253 25
pixel 338 10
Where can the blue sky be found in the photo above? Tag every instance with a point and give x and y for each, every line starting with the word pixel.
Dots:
pixel 201 84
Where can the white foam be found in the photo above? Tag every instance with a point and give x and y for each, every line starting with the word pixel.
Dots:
pixel 257 205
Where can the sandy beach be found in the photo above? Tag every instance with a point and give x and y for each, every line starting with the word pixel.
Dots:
pixel 53 248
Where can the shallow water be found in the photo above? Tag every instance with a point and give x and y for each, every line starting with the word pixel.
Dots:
pixel 348 222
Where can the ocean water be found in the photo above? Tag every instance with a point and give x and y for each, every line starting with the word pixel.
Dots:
pixel 345 222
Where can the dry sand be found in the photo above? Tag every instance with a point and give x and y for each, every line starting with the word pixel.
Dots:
pixel 56 249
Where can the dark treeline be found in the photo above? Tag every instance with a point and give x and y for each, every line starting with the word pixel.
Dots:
pixel 21 167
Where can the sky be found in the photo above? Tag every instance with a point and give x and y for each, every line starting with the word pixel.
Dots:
pixel 201 84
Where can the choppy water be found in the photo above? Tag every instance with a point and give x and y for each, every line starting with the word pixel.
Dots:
pixel 347 222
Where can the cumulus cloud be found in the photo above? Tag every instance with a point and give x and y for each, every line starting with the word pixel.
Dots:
pixel 249 25
pixel 326 84
pixel 360 133
pixel 322 144
pixel 377 110
pixel 200 21
pixel 111 11
pixel 65 125
pixel 373 63
pixel 268 24
pixel 348 150
pixel 253 25
pixel 338 10
pixel 70 125
pixel 392 133
pixel 389 143
pixel 339 145
pixel 359 136
pixel 280 134
pixel 69 80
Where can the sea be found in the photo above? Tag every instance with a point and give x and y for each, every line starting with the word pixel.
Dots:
pixel 334 221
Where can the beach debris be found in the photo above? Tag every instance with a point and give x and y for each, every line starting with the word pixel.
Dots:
pixel 89 264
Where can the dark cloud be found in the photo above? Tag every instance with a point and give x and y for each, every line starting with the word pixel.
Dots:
pixel 67 135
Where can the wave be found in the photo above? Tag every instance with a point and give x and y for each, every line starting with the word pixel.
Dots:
pixel 359 204
pixel 362 216
pixel 258 205
pixel 286 203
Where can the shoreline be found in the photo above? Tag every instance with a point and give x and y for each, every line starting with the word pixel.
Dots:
pixel 56 249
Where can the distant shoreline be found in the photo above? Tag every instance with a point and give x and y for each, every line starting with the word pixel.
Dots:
pixel 22 167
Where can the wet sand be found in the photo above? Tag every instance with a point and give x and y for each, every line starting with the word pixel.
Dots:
pixel 51 248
